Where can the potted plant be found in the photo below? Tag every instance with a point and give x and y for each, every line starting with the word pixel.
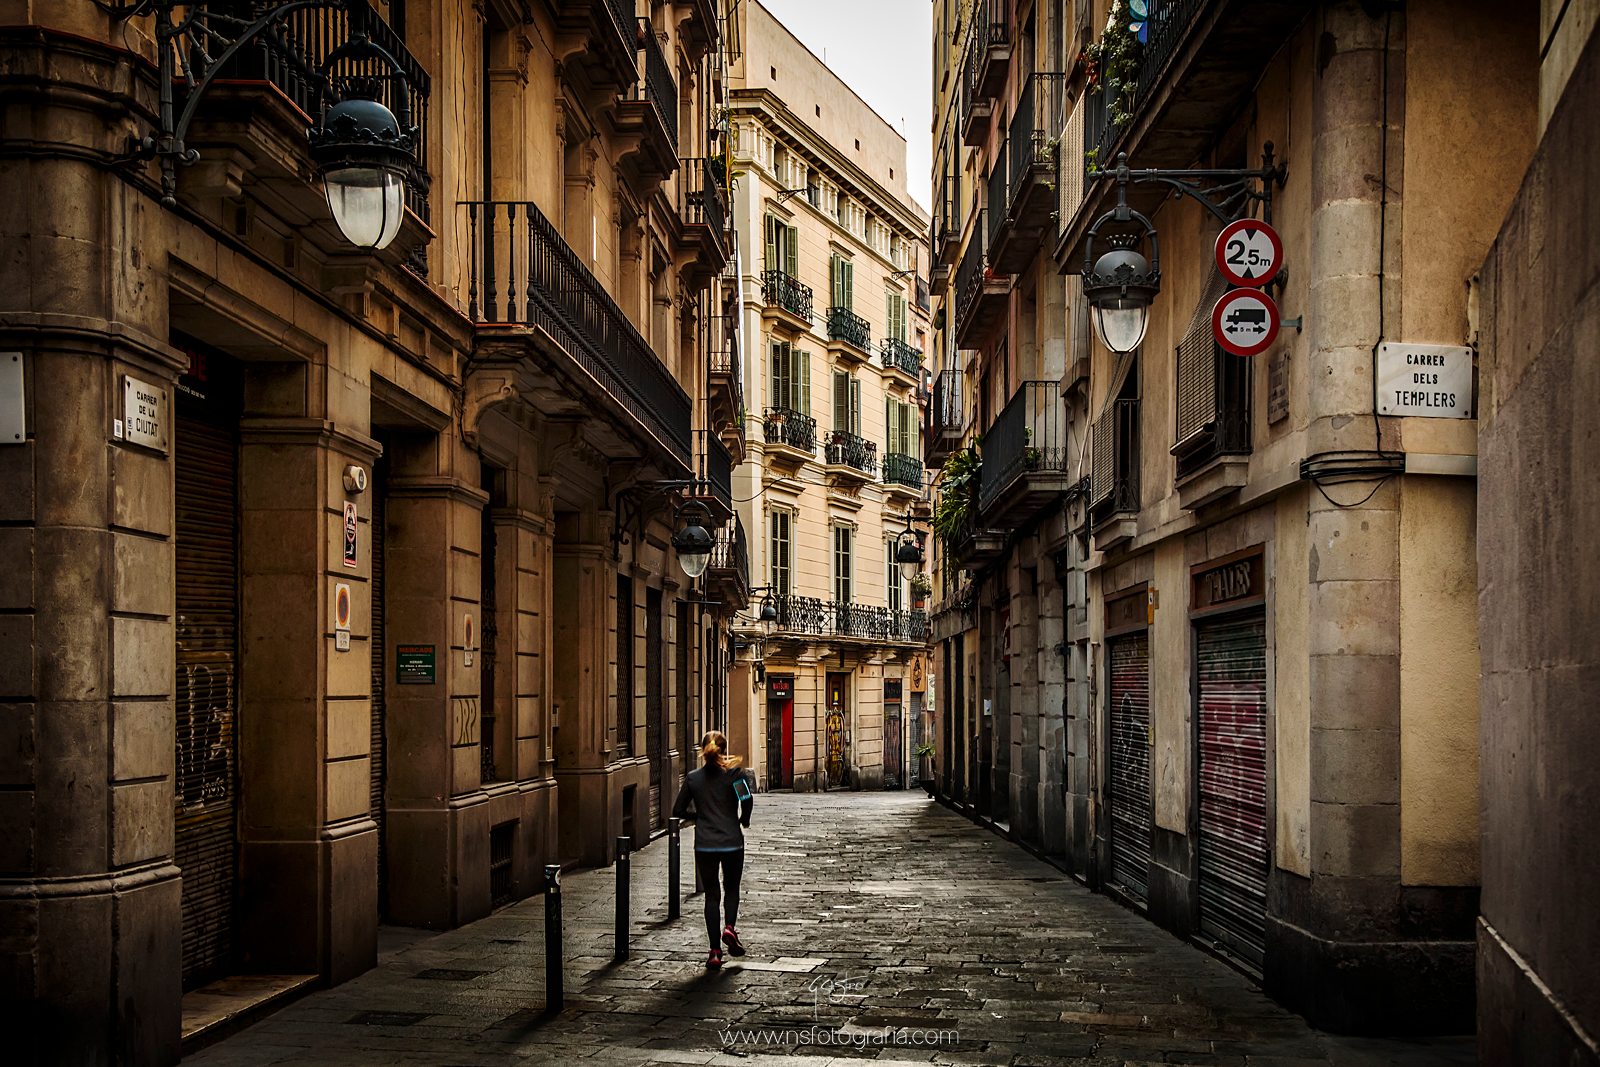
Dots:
pixel 1030 454
pixel 958 496
pixel 921 586
pixel 922 753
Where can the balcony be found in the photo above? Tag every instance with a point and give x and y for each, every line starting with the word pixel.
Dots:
pixel 946 228
pixel 1213 425
pixel 976 109
pixel 977 545
pixel 790 436
pixel 849 336
pixel 599 38
pixel 902 475
pixel 787 299
pixel 703 29
pixel 309 38
pixel 725 399
pixel 521 273
pixel 1114 475
pixel 1202 61
pixel 981 297
pixel 714 470
pixel 991 31
pixel 1025 457
pixel 647 115
pixel 802 617
pixel 703 214
pixel 942 428
pixel 1029 165
pixel 851 459
pixel 727 576
pixel 902 362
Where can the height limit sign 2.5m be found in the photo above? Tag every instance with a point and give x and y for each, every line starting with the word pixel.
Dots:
pixel 1249 253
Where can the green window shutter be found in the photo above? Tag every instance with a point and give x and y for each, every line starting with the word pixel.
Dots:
pixel 849 284
pixel 802 390
pixel 776 381
pixel 771 262
pixel 792 251
pixel 855 407
pixel 888 422
pixel 835 278
pixel 841 401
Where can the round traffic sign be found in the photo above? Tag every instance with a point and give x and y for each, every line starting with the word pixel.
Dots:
pixel 1249 252
pixel 1245 321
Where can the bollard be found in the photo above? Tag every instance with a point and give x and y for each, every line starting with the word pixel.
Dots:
pixel 555 996
pixel 672 868
pixel 622 899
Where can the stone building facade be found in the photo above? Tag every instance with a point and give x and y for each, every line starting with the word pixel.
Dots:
pixel 340 588
pixel 1277 635
pixel 835 323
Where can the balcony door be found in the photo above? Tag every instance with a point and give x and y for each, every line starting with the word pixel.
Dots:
pixel 846 403
pixel 783 247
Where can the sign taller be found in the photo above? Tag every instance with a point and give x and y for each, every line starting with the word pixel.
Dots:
pixel 1249 253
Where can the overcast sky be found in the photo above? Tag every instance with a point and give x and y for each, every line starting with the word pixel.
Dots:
pixel 883 49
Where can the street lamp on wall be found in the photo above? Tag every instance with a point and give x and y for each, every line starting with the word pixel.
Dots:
pixel 1120 282
pixel 692 541
pixel 364 152
pixel 908 553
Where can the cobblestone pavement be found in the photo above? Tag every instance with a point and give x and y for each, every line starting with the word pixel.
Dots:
pixel 861 912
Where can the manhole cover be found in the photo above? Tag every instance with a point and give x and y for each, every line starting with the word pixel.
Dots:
pixel 445 974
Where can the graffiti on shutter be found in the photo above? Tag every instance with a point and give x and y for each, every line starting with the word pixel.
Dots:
pixel 1130 764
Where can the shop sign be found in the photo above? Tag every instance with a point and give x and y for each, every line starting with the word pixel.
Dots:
pixel 780 688
pixel 1128 611
pixel 1232 580
pixel 413 664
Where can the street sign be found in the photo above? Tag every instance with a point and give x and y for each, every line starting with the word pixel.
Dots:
pixel 413 664
pixel 1245 321
pixel 1249 253
pixel 1426 381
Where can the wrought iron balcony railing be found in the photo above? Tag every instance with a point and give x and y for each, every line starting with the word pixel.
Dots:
pixel 656 84
pixel 730 551
pixel 310 36
pixel 725 366
pixel 784 426
pixel 1167 25
pixel 1114 460
pixel 1035 125
pixel 901 356
pixel 1030 434
pixel 999 193
pixel 787 292
pixel 522 272
pixel 846 449
pixel 715 466
pixel 944 413
pixel 702 201
pixel 972 273
pixel 810 616
pixel 900 469
pixel 845 325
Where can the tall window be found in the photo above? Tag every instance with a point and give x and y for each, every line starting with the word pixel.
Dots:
pixel 897 600
pixel 791 378
pixel 900 422
pixel 846 402
pixel 843 566
pixel 842 281
pixel 782 554
pixel 783 247
pixel 895 303
pixel 624 664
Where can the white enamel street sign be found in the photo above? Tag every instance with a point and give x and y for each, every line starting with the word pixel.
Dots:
pixel 144 413
pixel 1425 381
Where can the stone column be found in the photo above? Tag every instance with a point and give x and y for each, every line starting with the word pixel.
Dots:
pixel 89 896
pixel 438 817
pixel 308 845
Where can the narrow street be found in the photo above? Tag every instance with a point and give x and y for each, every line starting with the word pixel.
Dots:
pixel 863 912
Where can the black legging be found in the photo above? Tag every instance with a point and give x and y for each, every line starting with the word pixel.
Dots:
pixel 732 867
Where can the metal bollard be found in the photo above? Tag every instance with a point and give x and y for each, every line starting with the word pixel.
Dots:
pixel 672 868
pixel 622 899
pixel 555 995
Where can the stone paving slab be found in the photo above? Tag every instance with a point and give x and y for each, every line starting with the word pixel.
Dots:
pixel 862 911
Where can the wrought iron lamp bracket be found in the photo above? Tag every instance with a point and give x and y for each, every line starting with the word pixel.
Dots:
pixel 1227 193
pixel 198 47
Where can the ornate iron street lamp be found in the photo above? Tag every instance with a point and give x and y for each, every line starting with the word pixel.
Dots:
pixel 692 541
pixel 1122 282
pixel 365 153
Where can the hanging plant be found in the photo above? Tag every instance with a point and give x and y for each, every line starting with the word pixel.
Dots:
pixel 1113 62
pixel 958 496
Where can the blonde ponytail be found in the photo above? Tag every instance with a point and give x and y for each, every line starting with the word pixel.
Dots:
pixel 713 749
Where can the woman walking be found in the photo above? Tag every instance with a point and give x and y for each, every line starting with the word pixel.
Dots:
pixel 721 797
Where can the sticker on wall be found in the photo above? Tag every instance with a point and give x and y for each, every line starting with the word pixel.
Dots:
pixel 468 645
pixel 350 534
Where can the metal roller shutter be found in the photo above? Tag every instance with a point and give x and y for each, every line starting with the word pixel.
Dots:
pixel 1130 764
pixel 655 734
pixel 379 751
pixel 206 787
pixel 1232 687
